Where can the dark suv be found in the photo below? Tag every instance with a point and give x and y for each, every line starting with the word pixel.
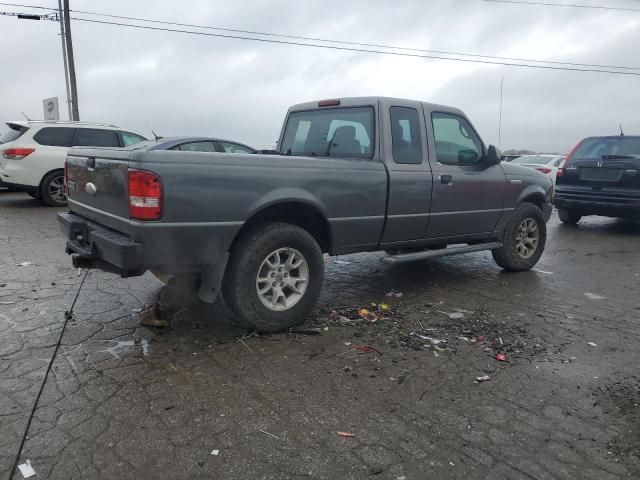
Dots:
pixel 601 176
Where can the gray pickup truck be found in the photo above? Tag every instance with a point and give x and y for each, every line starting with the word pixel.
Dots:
pixel 350 175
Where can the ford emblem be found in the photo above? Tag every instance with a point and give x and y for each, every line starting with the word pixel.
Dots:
pixel 91 189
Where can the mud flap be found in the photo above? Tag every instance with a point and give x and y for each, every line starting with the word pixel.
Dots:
pixel 211 280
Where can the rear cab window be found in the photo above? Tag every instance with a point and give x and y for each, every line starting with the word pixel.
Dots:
pixel 55 136
pixel 346 132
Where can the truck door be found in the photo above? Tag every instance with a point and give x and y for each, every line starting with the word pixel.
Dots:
pixel 410 179
pixel 468 194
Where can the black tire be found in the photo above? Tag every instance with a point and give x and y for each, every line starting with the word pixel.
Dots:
pixel 49 188
pixel 239 286
pixel 509 256
pixel 570 217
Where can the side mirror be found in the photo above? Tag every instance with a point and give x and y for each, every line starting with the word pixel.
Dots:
pixel 493 156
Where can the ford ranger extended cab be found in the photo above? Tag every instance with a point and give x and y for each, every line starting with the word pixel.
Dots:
pixel 350 175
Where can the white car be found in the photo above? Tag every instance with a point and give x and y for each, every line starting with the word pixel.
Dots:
pixel 547 164
pixel 33 153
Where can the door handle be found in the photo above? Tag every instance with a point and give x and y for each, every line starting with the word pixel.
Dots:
pixel 446 179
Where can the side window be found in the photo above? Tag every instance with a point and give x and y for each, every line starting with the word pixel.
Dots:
pixel 456 142
pixel 93 137
pixel 198 147
pixel 55 136
pixel 129 138
pixel 405 135
pixel 235 148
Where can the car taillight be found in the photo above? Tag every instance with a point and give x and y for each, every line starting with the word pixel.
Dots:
pixel 145 195
pixel 566 159
pixel 544 170
pixel 17 153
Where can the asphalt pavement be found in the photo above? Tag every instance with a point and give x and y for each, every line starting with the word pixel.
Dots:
pixel 414 387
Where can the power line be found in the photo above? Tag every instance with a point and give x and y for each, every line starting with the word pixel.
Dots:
pixel 343 42
pixel 27 6
pixel 358 44
pixel 359 50
pixel 573 5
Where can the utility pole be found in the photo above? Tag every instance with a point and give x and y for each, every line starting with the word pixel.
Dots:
pixel 64 58
pixel 500 115
pixel 71 65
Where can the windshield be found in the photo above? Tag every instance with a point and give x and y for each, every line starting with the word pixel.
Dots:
pixel 603 147
pixel 14 132
pixel 336 132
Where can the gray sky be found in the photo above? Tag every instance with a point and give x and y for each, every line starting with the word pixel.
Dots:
pixel 197 85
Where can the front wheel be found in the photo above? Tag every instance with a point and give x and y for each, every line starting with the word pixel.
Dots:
pixel 274 276
pixel 52 189
pixel 570 217
pixel 524 239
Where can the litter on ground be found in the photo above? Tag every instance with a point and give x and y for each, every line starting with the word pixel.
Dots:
pixel 26 469
pixel 594 296
pixel 592 344
pixel 215 452
pixel 346 434
pixel 483 378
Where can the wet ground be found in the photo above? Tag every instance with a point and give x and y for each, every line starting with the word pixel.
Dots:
pixel 202 399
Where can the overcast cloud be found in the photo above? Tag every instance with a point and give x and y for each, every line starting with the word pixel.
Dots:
pixel 195 85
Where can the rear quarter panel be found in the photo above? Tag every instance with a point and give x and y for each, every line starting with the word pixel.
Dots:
pixel 215 189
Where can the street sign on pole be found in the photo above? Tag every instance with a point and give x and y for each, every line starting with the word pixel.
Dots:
pixel 50 106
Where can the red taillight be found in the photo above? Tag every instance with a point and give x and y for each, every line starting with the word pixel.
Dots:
pixel 566 159
pixel 544 170
pixel 145 195
pixel 17 153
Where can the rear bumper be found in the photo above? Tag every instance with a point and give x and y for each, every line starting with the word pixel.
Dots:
pixel 94 246
pixel 613 203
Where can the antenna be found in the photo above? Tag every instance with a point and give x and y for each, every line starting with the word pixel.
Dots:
pixel 155 135
pixel 25 116
pixel 621 132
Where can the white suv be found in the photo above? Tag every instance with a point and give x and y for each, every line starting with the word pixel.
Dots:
pixel 32 153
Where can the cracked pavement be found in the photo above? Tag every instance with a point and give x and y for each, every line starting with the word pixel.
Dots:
pixel 124 401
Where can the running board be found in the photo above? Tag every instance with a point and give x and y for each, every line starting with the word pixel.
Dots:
pixel 443 252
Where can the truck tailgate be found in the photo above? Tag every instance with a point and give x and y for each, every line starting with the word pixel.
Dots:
pixel 97 184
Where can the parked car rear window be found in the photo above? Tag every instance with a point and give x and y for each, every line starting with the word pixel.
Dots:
pixel 14 132
pixel 129 138
pixel 405 135
pixel 230 147
pixel 55 136
pixel 531 160
pixel 335 132
pixel 197 147
pixel 93 137
pixel 600 147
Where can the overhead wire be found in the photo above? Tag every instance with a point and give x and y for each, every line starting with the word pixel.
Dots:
pixel 359 50
pixel 359 47
pixel 572 5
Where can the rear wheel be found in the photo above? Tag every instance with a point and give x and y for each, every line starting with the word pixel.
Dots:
pixel 524 239
pixel 570 217
pixel 52 189
pixel 274 276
